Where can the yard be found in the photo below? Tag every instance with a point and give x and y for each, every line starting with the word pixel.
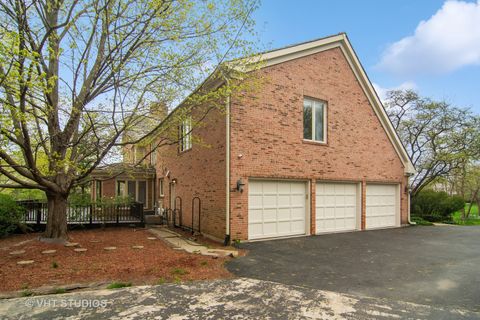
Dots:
pixel 473 219
pixel 132 256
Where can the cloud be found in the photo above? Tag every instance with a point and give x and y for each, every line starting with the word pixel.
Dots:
pixel 382 92
pixel 447 41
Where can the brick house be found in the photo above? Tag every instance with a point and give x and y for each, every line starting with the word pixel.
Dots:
pixel 312 152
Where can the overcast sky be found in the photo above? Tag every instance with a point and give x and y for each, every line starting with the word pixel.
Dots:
pixel 429 45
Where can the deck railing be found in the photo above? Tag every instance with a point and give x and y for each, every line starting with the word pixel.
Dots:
pixel 36 212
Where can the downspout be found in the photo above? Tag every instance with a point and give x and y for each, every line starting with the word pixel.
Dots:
pixel 227 172
pixel 408 200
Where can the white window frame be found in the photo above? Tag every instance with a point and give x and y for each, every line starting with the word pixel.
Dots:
pixel 185 132
pixel 314 103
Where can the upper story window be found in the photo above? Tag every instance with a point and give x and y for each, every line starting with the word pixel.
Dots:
pixel 314 120
pixel 140 153
pixel 185 134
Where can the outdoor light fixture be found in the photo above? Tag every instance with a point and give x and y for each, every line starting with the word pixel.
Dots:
pixel 240 185
pixel 174 181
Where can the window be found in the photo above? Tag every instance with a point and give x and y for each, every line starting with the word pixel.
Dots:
pixel 120 188
pixel 185 134
pixel 132 186
pixel 135 190
pixel 160 187
pixel 98 190
pixel 142 192
pixel 153 155
pixel 140 154
pixel 314 120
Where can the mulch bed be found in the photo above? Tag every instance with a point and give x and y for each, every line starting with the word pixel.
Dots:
pixel 156 262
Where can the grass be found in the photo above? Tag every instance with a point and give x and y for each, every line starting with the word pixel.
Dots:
pixel 26 293
pixel 54 265
pixel 59 291
pixel 118 285
pixel 179 272
pixel 473 219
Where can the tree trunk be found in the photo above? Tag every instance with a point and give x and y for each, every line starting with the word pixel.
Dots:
pixel 57 217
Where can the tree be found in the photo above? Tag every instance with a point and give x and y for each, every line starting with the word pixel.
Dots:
pixel 466 183
pixel 438 137
pixel 76 75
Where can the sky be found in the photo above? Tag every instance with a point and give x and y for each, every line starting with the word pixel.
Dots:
pixel 430 46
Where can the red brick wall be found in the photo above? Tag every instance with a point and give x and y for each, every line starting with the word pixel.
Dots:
pixel 108 188
pixel 200 172
pixel 267 132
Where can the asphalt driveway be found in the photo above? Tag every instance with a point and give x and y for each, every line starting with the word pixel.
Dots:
pixel 438 266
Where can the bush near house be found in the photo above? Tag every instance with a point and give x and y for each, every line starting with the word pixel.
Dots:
pixel 436 206
pixel 11 214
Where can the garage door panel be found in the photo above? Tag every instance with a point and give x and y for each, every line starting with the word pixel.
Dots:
pixel 336 207
pixel 269 214
pixel 269 187
pixel 283 214
pixel 279 208
pixel 269 228
pixel 298 214
pixel 255 229
pixel 381 205
pixel 255 215
pixel 298 200
pixel 270 201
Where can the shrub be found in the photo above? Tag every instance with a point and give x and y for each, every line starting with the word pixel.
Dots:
pixel 79 199
pixel 435 206
pixel 11 214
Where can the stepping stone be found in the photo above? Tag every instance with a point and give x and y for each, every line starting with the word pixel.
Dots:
pixel 49 251
pixel 71 244
pixel 17 252
pixel 80 249
pixel 25 262
pixel 137 247
pixel 110 248
pixel 152 238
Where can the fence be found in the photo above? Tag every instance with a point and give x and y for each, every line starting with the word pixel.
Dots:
pixel 37 212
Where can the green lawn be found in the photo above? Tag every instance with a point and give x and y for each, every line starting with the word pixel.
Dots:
pixel 473 219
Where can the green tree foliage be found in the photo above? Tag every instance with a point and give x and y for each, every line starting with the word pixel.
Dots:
pixel 11 214
pixel 76 76
pixel 438 137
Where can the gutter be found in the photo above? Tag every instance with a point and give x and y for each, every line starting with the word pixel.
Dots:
pixel 227 171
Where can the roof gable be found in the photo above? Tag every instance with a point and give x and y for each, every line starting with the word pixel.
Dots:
pixel 341 41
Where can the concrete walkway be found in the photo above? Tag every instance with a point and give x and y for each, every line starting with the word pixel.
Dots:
pixel 222 299
pixel 178 242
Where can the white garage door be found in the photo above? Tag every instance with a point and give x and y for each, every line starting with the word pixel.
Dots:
pixel 381 206
pixel 276 208
pixel 336 207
